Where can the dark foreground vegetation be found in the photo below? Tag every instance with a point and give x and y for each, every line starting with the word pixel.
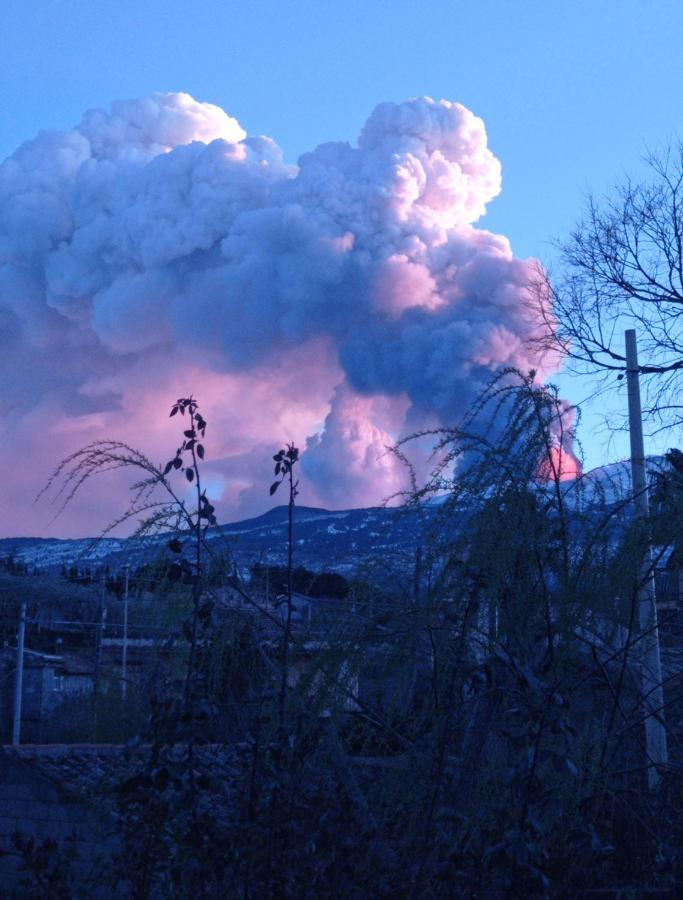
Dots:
pixel 481 732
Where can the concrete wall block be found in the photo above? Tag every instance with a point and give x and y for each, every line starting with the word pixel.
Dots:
pixel 8 826
pixel 24 791
pixel 16 808
pixel 27 827
pixel 42 829
pixel 15 791
pixel 61 831
pixel 57 831
pixel 58 813
pixel 83 831
pixel 35 809
pixel 19 810
pixel 9 871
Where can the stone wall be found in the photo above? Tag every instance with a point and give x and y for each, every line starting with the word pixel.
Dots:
pixel 37 807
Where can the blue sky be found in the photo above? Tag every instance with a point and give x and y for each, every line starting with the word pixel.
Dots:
pixel 572 94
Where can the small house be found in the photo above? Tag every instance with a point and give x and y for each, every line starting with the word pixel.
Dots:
pixel 48 680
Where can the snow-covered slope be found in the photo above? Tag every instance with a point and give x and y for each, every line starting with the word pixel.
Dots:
pixel 339 539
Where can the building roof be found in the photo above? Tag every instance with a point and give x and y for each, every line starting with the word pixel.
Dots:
pixel 74 768
pixel 67 664
pixel 76 665
pixel 33 658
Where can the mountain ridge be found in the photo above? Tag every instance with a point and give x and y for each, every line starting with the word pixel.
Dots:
pixel 336 539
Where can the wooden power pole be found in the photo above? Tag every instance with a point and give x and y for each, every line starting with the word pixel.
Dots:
pixel 650 663
pixel 124 652
pixel 19 679
pixel 99 636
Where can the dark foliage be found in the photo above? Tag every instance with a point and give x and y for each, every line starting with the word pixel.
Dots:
pixel 312 584
pixel 480 734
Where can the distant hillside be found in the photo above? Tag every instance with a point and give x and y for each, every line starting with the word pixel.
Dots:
pixel 343 540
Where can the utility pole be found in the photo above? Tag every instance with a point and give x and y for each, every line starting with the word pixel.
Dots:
pixel 19 680
pixel 124 652
pixel 417 575
pixel 650 663
pixel 99 637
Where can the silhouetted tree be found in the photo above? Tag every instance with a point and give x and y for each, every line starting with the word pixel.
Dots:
pixel 621 267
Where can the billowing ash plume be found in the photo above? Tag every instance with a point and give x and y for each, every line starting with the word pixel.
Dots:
pixel 156 250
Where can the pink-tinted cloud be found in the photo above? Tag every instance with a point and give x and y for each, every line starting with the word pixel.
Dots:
pixel 156 250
